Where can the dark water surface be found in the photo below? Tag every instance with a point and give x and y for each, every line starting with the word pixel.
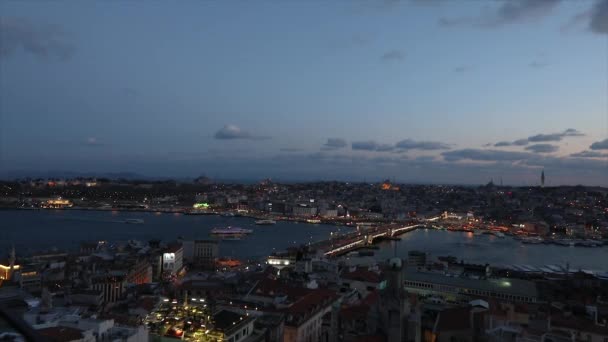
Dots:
pixel 37 230
pixel 490 249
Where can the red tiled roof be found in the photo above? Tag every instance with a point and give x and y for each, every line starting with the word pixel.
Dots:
pixel 272 288
pixel 371 298
pixel 312 301
pixel 354 312
pixel 61 334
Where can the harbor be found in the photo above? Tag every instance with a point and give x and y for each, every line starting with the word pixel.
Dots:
pixel 36 230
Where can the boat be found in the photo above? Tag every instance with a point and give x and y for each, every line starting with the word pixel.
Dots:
pixel 313 221
pixel 532 240
pixel 134 221
pixel 230 233
pixel 265 222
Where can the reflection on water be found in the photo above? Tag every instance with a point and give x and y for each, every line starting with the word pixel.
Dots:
pixel 40 230
pixel 37 230
pixel 490 249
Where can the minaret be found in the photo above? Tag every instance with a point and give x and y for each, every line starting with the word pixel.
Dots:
pixel 542 179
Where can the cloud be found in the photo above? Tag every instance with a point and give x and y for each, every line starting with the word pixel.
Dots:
pixel 92 142
pixel 485 155
pixel 334 143
pixel 393 56
pixel 570 132
pixel 43 41
pixel 409 144
pixel 542 148
pixel 364 145
pixel 232 132
pixel 521 142
pixel 538 64
pixel 599 17
pixel 509 12
pixel 462 68
pixel 552 137
pixel 589 154
pixel 600 145
pixel 385 148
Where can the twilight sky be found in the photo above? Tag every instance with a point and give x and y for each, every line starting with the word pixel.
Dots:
pixel 416 90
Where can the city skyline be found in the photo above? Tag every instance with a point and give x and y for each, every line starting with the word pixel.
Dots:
pixel 417 91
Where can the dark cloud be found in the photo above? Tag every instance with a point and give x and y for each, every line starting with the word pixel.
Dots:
pixel 546 137
pixel 521 142
pixel 542 148
pixel 393 56
pixel 485 155
pixel 570 132
pixel 232 132
pixel 334 143
pixel 599 17
pixel 409 144
pixel 364 145
pixel 92 142
pixel 589 154
pixel 538 64
pixel 43 41
pixel 385 148
pixel 462 69
pixel 600 145
pixel 509 12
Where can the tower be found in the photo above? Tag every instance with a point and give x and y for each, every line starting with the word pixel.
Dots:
pixel 542 179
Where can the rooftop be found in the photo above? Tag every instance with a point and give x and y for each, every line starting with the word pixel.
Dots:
pixel 511 286
pixel 61 334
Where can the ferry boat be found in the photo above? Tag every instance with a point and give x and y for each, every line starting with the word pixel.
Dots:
pixel 230 233
pixel 313 221
pixel 265 222
pixel 134 221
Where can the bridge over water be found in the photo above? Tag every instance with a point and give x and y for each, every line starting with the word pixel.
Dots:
pixel 353 241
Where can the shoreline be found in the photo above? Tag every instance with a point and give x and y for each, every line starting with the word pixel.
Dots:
pixel 336 223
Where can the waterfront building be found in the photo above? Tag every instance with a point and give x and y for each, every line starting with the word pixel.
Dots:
pixel 172 259
pixel 464 289
pixel 416 259
pixel 140 272
pixel 304 211
pixel 113 287
pixel 205 253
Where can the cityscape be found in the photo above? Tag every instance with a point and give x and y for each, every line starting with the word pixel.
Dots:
pixel 304 171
